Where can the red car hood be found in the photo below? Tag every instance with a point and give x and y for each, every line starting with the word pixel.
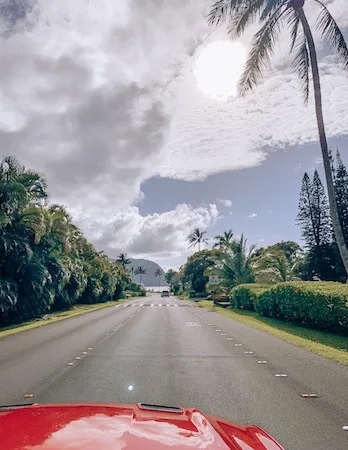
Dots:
pixel 105 427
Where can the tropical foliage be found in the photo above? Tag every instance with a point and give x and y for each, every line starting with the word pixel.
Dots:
pixel 193 273
pixel 123 260
pixel 46 263
pixel 223 240
pixel 273 266
pixel 140 271
pixel 274 16
pixel 174 279
pixel 196 238
pixel 233 263
pixel 158 274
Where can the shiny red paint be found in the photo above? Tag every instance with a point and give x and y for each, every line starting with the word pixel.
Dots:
pixel 113 427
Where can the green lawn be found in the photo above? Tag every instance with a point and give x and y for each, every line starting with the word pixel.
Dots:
pixel 56 317
pixel 328 345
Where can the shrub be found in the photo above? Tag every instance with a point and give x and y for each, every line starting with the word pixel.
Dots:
pixel 142 293
pixel 319 305
pixel 245 296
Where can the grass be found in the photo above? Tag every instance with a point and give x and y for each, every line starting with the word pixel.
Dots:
pixel 328 345
pixel 56 317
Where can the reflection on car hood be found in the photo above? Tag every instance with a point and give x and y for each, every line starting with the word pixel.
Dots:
pixel 105 427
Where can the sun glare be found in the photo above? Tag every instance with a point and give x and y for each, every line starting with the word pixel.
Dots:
pixel 219 67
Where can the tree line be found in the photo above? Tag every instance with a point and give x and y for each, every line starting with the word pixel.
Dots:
pixel 46 263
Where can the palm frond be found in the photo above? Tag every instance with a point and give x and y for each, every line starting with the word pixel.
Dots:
pixel 294 31
pixel 301 65
pixel 271 7
pixel 221 9
pixel 247 15
pixel 259 56
pixel 332 34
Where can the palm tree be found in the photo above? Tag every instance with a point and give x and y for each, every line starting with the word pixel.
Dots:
pixel 273 14
pixel 123 260
pixel 223 240
pixel 140 271
pixel 196 238
pixel 272 266
pixel 159 273
pixel 19 188
pixel 132 273
pixel 233 266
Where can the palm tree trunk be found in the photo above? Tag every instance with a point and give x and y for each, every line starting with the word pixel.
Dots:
pixel 337 228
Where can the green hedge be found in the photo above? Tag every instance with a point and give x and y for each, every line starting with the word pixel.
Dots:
pixel 245 296
pixel 319 305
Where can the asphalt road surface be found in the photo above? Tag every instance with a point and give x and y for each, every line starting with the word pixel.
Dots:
pixel 168 351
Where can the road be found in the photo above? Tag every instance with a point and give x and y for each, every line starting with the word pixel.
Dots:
pixel 168 351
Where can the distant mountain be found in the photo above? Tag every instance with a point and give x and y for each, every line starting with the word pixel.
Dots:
pixel 149 279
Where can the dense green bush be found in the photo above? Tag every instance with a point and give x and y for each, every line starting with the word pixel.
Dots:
pixel 319 305
pixel 245 296
pixel 46 263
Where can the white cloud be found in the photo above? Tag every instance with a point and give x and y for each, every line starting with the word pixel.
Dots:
pixel 214 136
pixel 225 202
pixel 82 98
pixel 154 235
pixel 252 216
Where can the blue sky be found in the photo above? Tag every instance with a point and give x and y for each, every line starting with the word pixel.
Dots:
pixel 264 198
pixel 129 108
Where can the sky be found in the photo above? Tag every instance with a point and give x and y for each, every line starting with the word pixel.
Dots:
pixel 129 109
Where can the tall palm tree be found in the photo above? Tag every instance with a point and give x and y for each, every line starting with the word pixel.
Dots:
pixel 159 273
pixel 196 238
pixel 123 260
pixel 140 271
pixel 223 240
pixel 273 15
